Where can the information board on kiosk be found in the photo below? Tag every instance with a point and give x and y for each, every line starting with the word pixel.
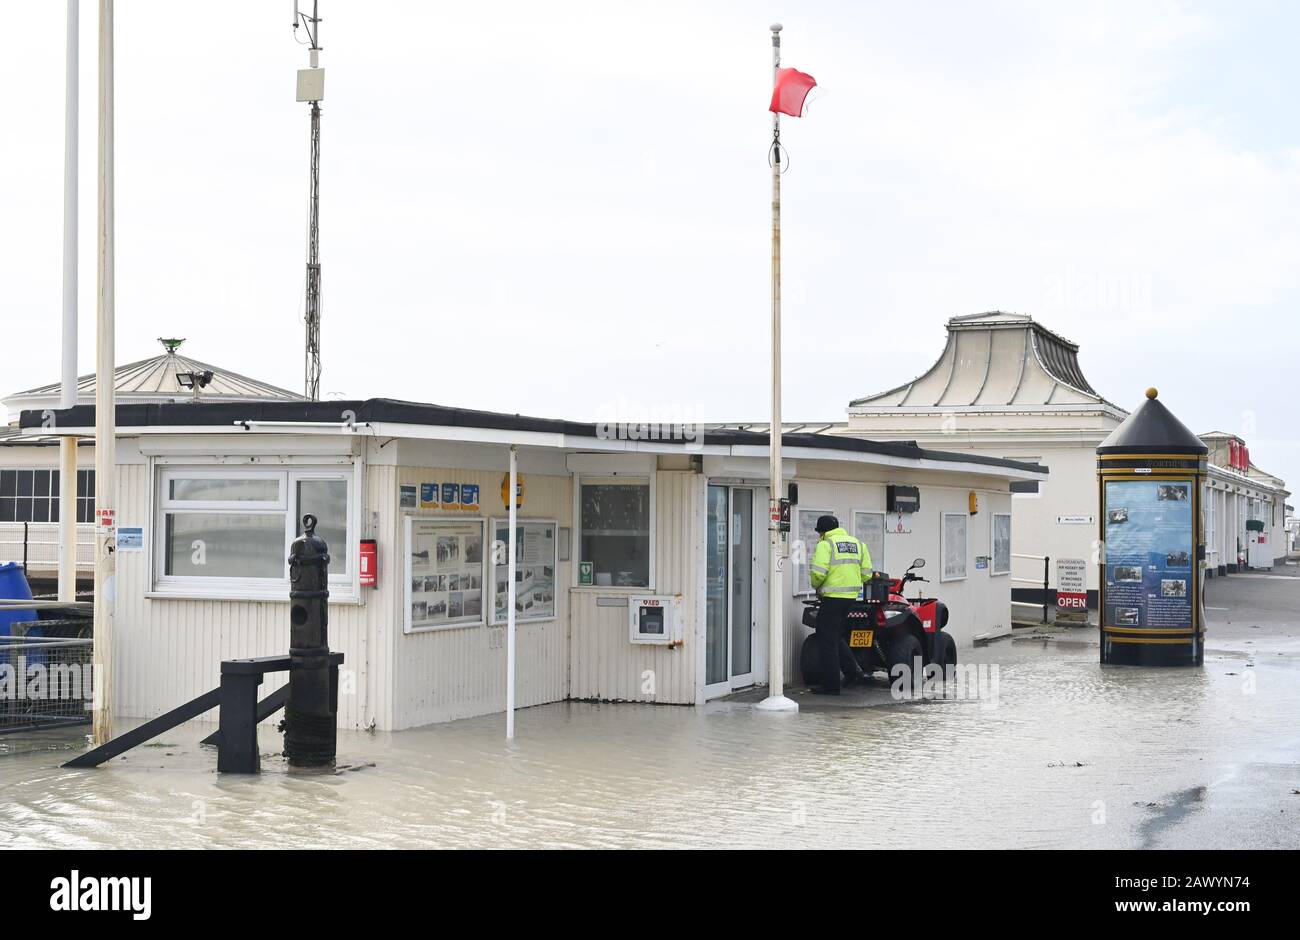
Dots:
pixel 1150 530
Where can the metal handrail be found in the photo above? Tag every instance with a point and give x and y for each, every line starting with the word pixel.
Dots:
pixel 15 604
pixel 1046 560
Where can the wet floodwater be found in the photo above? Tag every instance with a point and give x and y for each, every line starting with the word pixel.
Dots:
pixel 1071 754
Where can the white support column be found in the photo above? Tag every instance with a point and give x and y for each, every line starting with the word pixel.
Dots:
pixel 776 700
pixel 510 593
pixel 68 388
pixel 105 416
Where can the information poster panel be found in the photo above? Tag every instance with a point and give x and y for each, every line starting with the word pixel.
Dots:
pixel 869 528
pixel 806 536
pixel 1149 554
pixel 444 582
pixel 535 554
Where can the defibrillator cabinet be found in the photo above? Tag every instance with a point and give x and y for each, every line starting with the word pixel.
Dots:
pixel 652 619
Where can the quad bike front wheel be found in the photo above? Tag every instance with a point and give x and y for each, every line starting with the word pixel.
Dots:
pixel 905 649
pixel 943 651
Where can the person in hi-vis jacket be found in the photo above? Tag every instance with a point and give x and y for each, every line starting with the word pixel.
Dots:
pixel 840 566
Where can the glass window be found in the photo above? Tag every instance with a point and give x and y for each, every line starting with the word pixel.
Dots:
pixel 33 496
pixel 953 536
pixel 225 545
pixel 1001 543
pixel 225 489
pixel 85 495
pixel 869 528
pixel 327 500
pixel 238 525
pixel 615 532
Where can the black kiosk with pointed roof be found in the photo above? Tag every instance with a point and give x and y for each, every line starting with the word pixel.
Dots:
pixel 1151 473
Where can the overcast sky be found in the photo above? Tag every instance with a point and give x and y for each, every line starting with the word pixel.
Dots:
pixel 550 208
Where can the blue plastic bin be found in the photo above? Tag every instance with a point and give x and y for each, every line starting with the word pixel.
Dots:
pixel 14 586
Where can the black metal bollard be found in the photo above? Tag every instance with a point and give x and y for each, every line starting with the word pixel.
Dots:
pixel 310 731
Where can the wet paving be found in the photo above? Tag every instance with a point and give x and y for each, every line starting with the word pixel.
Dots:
pixel 1061 753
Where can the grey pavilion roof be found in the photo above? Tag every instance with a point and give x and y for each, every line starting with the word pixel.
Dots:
pixel 995 360
pixel 154 380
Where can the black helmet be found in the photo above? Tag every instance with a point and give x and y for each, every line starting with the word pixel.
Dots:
pixel 826 523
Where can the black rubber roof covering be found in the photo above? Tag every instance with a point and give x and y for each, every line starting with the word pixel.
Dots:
pixel 1062 361
pixel 226 414
pixel 1152 428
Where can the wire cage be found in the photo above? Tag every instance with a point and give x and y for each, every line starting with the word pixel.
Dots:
pixel 46 675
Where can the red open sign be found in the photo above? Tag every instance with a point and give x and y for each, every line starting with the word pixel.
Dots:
pixel 1071 601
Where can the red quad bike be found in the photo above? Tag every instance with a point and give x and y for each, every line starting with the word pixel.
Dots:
pixel 885 629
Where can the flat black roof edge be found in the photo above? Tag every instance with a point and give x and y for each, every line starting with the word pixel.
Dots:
pixel 226 414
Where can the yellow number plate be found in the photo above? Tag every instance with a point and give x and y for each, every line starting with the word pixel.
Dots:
pixel 860 638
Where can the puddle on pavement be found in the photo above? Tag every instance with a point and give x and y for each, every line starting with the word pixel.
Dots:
pixel 1073 754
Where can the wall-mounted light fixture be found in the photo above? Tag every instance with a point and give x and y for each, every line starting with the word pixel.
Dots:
pixel 195 381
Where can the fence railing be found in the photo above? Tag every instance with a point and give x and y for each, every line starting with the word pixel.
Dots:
pixel 46 680
pixel 1038 582
pixel 36 546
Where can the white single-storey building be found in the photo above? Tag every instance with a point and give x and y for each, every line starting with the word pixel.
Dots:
pixel 1006 386
pixel 209 495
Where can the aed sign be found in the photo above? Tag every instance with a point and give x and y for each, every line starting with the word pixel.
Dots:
pixel 653 620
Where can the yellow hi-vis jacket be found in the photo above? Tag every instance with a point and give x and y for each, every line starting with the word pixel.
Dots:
pixel 840 565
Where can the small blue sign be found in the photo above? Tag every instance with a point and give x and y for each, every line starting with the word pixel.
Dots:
pixel 429 494
pixel 469 495
pixel 450 494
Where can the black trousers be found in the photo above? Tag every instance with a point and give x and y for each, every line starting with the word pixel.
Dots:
pixel 830 634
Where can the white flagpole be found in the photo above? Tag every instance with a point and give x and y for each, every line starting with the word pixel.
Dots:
pixel 510 595
pixel 105 416
pixel 68 389
pixel 776 700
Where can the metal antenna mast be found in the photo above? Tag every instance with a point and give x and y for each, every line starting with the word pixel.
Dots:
pixel 311 88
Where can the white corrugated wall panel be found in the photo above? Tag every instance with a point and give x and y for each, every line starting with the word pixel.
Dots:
pixel 167 650
pixel 606 666
pixel 442 675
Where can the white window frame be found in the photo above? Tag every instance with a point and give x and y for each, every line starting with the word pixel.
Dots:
pixel 993 554
pixel 943 546
pixel 877 564
pixel 343 584
pixel 612 478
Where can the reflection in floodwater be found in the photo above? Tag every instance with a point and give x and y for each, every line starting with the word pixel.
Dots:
pixel 1074 754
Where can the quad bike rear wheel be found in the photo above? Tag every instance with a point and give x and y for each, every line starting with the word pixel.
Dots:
pixel 812 661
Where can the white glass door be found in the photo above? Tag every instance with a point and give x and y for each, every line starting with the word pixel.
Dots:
pixel 742 587
pixel 729 589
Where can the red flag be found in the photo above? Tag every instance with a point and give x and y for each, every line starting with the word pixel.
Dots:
pixel 792 87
